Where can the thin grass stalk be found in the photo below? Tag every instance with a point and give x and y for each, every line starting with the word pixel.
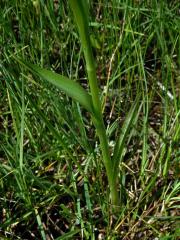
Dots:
pixel 81 19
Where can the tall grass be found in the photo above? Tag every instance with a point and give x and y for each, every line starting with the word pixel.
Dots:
pixel 52 171
pixel 91 101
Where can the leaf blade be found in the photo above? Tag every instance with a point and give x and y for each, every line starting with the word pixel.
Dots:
pixel 119 147
pixel 70 87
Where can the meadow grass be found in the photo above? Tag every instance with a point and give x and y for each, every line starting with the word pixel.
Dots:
pixel 53 181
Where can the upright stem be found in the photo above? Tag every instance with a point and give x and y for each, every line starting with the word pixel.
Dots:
pixel 79 11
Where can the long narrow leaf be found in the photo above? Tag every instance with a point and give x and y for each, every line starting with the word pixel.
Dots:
pixel 80 10
pixel 118 150
pixel 71 88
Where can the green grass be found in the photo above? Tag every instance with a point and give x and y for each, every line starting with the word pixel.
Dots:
pixel 53 182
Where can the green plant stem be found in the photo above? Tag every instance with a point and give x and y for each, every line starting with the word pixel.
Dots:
pixel 81 19
pixel 100 128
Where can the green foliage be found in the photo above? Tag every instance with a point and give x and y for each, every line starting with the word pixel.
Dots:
pixel 71 88
pixel 53 176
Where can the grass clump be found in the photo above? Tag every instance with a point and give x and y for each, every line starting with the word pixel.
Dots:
pixel 53 180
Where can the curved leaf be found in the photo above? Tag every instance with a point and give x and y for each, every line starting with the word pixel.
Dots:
pixel 119 146
pixel 71 88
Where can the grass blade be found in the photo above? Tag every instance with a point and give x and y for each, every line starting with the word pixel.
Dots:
pixel 68 235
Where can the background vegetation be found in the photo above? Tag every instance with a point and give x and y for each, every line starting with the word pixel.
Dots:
pixel 52 180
